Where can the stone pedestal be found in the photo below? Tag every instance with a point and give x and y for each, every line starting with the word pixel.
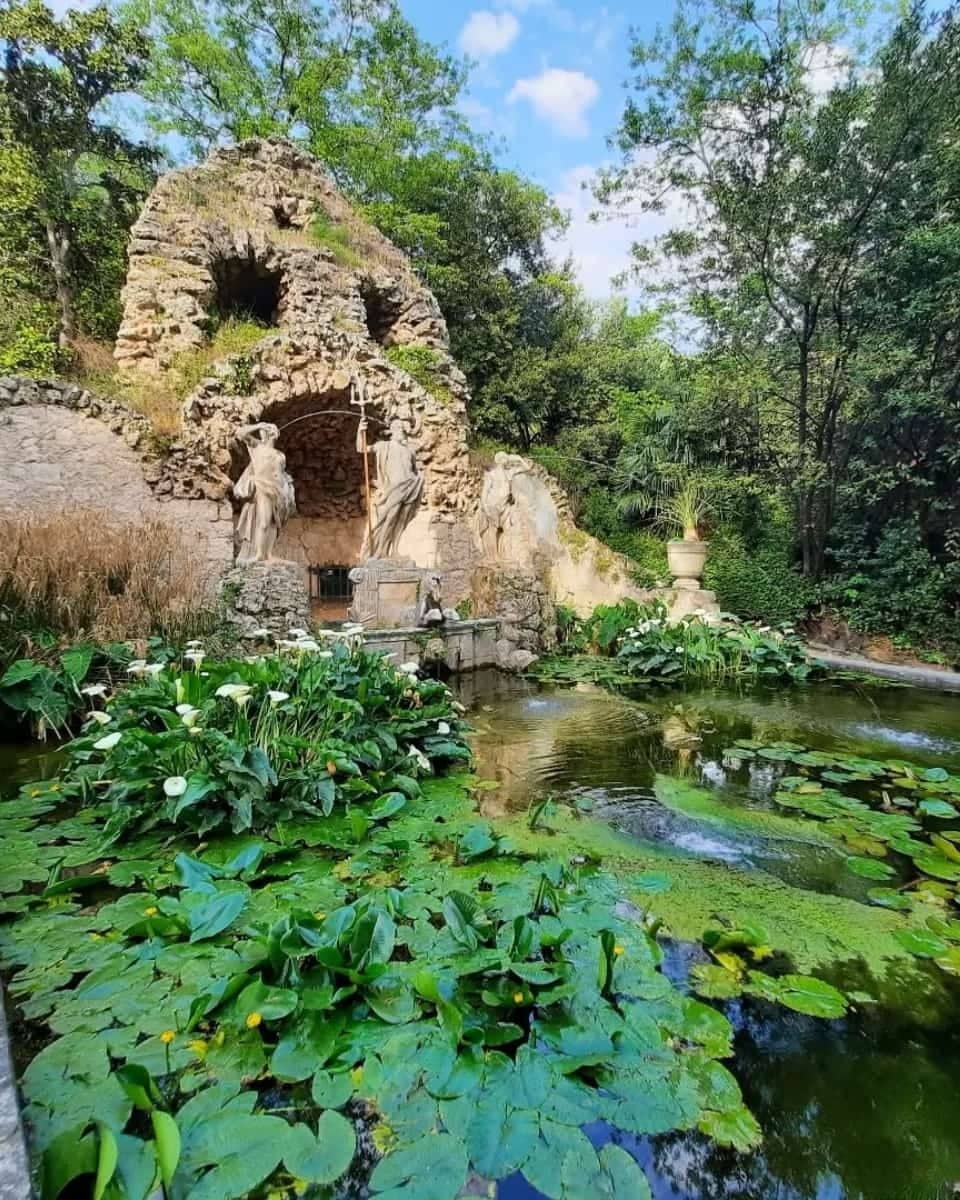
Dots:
pixel 387 592
pixel 266 595
pixel 520 598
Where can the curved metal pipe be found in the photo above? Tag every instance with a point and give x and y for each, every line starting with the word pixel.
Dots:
pixel 338 412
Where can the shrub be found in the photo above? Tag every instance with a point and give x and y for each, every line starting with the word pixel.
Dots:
pixel 759 584
pixel 696 648
pixel 247 743
pixel 30 351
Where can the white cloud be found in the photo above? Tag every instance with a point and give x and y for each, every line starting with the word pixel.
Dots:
pixel 827 66
pixel 601 249
pixel 559 96
pixel 487 33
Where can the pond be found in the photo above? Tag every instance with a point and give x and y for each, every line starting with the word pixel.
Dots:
pixel 812 829
pixel 862 1108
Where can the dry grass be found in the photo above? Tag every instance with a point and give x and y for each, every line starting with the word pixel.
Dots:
pixel 153 396
pixel 81 575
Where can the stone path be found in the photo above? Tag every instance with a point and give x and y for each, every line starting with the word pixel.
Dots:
pixel 929 677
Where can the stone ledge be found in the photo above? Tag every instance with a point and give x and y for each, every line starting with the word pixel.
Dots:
pixel 14 1163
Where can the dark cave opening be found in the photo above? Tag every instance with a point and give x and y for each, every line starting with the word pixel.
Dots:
pixel 248 290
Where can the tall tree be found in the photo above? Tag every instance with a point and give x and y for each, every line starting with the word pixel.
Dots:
pixel 57 148
pixel 789 148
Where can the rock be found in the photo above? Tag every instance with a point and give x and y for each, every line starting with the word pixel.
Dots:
pixel 266 595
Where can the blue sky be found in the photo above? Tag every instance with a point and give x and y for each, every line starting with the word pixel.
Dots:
pixel 548 82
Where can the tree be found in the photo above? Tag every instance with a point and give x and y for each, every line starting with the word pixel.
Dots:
pixel 57 152
pixel 791 184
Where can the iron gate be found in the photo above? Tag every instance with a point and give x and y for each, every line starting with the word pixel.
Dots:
pixel 330 585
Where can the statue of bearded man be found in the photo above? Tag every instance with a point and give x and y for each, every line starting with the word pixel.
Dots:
pixel 398 493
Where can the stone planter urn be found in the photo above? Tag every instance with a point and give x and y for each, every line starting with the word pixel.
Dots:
pixel 686 559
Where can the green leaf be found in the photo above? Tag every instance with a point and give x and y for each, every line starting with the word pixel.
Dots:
pixel 921 943
pixel 241 1151
pixel 23 670
pixel 432 1168
pixel 622 1177
pixel 213 916
pixel 324 1158
pixel 942 809
pixel 737 1128
pixel 331 1091
pixel 812 996
pixel 68 1156
pixel 76 662
pixel 388 805
pixel 869 868
pixel 107 1156
pixel 270 1002
pixel 167 1139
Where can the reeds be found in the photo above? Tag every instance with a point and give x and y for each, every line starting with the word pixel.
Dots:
pixel 80 574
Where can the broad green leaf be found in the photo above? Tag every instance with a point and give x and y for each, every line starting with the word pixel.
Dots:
pixel 325 1157
pixel 622 1178
pixel 432 1168
pixel 922 943
pixel 107 1156
pixel 213 916
pixel 870 868
pixel 166 1137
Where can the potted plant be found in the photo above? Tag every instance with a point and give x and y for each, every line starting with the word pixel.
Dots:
pixel 685 509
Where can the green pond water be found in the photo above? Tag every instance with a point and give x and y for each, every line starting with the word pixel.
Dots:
pixel 865 1108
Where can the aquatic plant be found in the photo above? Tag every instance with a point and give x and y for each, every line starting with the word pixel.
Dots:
pixel 225 1022
pixel 244 743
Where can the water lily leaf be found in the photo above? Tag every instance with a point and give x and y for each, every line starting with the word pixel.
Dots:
pixel 936 775
pixel 270 1002
pixel 889 898
pixel 431 1168
pixel 392 999
pixel 213 916
pixel 869 868
pixel 941 809
pixel 950 962
pixel 241 1152
pixel 500 1139
pixel 715 982
pixel 331 1091
pixel 814 997
pixel 922 943
pixel 737 1128
pixel 388 805
pixel 622 1178
pixel 325 1157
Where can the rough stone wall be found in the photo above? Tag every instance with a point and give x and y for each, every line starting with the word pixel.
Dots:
pixel 235 232
pixel 62 447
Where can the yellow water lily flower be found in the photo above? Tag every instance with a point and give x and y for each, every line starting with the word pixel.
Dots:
pixel 167 1036
pixel 618 950
pixel 320 916
pixel 254 1020
pixel 151 911
pixel 518 997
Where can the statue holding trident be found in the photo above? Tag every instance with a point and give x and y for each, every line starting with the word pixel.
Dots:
pixel 266 490
pixel 399 487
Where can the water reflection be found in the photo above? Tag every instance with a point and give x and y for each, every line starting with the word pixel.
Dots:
pixel 867 1108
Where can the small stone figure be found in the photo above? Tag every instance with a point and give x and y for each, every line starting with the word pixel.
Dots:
pixel 399 490
pixel 266 490
pixel 431 610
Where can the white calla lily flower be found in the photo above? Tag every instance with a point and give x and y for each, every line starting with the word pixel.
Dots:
pixel 278 697
pixel 443 727
pixel 101 718
pixel 108 742
pixel 176 785
pixel 94 689
pixel 409 668
pixel 239 693
pixel 195 656
pixel 420 758
pixel 137 667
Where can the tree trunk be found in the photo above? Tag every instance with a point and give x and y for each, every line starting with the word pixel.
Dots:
pixel 806 504
pixel 58 241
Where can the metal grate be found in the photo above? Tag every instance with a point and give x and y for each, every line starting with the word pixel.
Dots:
pixel 330 585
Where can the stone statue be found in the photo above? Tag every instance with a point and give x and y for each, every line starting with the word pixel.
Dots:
pixel 431 611
pixel 266 490
pixel 398 493
pixel 497 500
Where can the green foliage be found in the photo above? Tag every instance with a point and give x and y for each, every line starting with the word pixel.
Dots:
pixel 758 583
pixel 335 238
pixel 30 351
pixel 423 364
pixel 349 965
pixel 71 181
pixel 45 697
pixel 244 744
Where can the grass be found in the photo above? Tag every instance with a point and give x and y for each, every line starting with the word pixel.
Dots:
pixel 83 575
pixel 422 363
pixel 335 238
pixel 235 336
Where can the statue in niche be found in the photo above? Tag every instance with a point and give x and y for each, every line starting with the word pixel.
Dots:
pixel 399 489
pixel 266 489
pixel 497 501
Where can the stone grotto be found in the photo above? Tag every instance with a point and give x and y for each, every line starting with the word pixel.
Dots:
pixel 313 458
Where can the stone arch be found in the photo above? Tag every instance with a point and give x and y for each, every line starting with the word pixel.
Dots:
pixel 318 436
